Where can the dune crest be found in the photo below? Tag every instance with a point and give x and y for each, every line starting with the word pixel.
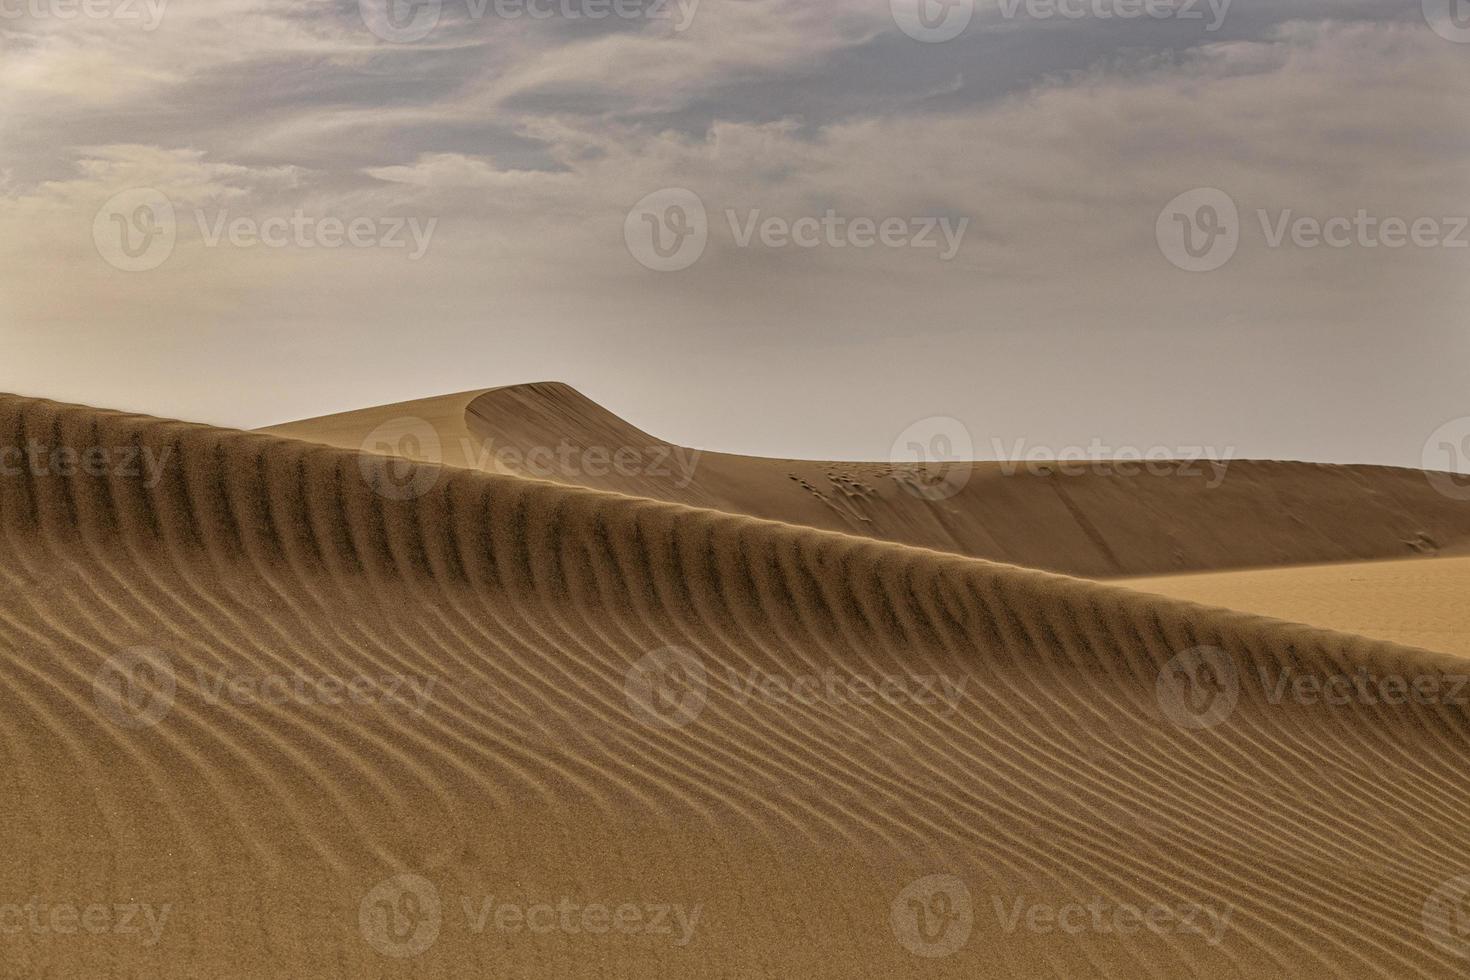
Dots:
pixel 1250 513
pixel 623 708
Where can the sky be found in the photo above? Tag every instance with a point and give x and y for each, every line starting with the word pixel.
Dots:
pixel 777 227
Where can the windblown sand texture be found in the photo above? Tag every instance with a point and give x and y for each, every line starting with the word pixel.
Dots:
pixel 556 765
pixel 1094 524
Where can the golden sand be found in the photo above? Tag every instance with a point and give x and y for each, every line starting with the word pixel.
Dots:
pixel 309 712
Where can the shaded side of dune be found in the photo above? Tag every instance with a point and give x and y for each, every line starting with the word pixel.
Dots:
pixel 534 772
pixel 1091 520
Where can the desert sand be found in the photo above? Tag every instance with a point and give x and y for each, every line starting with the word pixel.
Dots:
pixel 1416 603
pixel 313 711
pixel 1095 524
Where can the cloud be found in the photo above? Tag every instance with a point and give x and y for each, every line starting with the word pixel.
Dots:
pixel 658 69
pixel 529 141
pixel 444 170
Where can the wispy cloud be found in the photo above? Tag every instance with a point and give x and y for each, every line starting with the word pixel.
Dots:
pixel 529 140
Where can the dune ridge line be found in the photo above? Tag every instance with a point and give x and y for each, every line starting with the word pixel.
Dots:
pixel 789 835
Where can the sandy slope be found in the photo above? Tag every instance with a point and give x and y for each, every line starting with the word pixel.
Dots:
pixel 1094 524
pixel 555 766
pixel 432 429
pixel 1418 603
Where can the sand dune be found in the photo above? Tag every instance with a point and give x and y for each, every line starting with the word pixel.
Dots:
pixel 313 712
pixel 1091 523
pixel 1417 603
